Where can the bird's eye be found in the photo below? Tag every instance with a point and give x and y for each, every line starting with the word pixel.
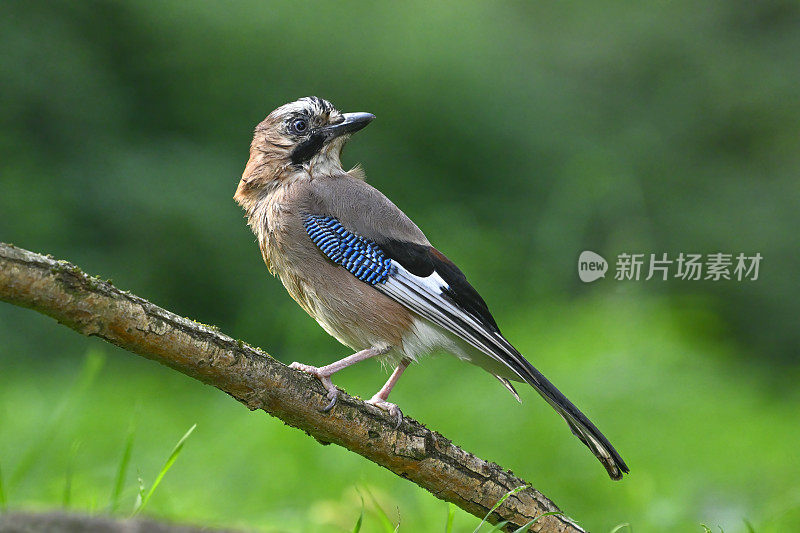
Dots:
pixel 299 126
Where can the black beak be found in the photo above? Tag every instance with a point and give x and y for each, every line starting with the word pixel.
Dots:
pixel 352 123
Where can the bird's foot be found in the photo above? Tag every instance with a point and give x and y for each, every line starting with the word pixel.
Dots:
pixel 325 379
pixel 390 408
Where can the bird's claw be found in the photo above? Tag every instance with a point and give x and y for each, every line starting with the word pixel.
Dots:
pixel 391 408
pixel 333 392
pixel 333 395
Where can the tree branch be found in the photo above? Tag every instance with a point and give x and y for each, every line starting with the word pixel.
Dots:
pixel 96 308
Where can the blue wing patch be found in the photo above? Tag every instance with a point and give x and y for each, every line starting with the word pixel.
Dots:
pixel 361 257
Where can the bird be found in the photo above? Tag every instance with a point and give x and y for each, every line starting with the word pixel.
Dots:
pixel 365 272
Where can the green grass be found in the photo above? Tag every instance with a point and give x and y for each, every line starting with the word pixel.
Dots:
pixel 360 521
pixel 496 505
pixel 122 471
pixel 451 515
pixel 383 518
pixel 708 438
pixel 52 421
pixel 144 497
pixel 66 501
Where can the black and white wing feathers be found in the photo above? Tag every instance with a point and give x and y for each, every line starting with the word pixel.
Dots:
pixel 423 280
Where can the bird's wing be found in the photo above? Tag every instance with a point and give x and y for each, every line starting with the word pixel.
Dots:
pixel 422 279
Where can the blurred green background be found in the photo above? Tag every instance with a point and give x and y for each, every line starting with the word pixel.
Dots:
pixel 516 135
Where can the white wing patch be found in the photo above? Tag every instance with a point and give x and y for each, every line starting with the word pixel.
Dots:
pixel 426 296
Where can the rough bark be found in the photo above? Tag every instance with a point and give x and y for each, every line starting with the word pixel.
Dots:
pixel 94 307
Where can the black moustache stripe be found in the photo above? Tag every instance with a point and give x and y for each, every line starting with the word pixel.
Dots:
pixel 307 149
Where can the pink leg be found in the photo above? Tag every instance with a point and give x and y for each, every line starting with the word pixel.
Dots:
pixel 379 400
pixel 324 373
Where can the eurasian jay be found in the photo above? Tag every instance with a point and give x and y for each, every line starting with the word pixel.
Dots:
pixel 365 272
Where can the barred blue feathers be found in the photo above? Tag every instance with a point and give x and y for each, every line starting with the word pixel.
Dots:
pixel 361 257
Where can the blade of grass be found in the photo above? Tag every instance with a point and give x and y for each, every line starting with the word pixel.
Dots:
pixel 498 526
pixel 139 494
pixel 122 470
pixel 620 526
pixel 451 514
pixel 142 501
pixel 747 524
pixel 360 520
pixel 527 527
pixel 67 497
pixel 386 522
pixel 92 364
pixel 498 504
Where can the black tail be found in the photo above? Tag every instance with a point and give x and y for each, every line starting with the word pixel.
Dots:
pixel 581 426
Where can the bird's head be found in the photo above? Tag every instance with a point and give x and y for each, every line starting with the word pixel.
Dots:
pixel 302 136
